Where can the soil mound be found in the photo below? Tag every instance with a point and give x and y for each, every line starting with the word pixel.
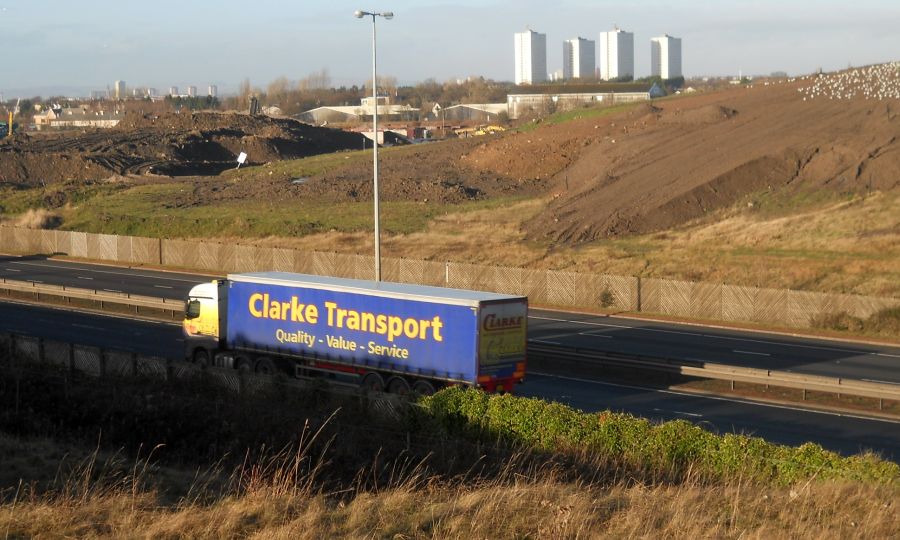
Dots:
pixel 663 164
pixel 171 144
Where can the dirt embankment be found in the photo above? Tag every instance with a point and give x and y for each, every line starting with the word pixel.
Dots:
pixel 655 166
pixel 663 164
pixel 172 145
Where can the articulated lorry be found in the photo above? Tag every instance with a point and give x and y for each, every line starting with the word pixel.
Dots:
pixel 390 337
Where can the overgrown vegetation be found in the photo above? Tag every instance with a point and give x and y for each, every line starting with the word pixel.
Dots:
pixel 193 460
pixel 884 323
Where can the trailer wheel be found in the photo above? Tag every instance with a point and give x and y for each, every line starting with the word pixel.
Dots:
pixel 265 366
pixel 398 385
pixel 372 382
pixel 243 364
pixel 423 388
pixel 201 357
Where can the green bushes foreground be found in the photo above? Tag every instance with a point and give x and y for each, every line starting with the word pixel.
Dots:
pixel 671 449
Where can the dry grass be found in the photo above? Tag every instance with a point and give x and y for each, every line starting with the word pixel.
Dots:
pixel 848 246
pixel 273 501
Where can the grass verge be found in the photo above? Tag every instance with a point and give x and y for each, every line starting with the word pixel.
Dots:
pixel 190 460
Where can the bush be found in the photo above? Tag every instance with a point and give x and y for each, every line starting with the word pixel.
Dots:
pixel 668 449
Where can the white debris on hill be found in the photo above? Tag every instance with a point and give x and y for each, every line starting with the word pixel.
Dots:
pixel 880 81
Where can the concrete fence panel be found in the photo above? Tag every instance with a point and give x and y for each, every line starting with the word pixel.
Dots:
pixel 802 307
pixel 534 285
pixel 109 248
pixel 651 295
pixel 145 250
pixel 675 298
pixel 180 253
pixel 737 303
pixel 94 251
pixel 208 256
pixel 48 242
pixel 706 301
pixel 771 306
pixel 78 244
pixel 323 264
pixel 560 288
pixel 419 271
pixel 283 259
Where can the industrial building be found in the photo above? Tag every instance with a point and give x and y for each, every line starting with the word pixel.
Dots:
pixel 579 58
pixel 616 54
pixel 531 57
pixel 665 56
pixel 387 112
pixel 541 100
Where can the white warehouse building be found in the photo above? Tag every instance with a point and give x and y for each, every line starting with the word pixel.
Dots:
pixel 665 56
pixel 531 57
pixel 616 54
pixel 579 58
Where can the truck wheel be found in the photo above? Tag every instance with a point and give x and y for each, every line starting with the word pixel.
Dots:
pixel 201 357
pixel 265 366
pixel 372 382
pixel 398 385
pixel 243 365
pixel 423 388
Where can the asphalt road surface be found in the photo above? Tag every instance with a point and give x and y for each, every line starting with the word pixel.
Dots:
pixel 843 433
pixel 691 343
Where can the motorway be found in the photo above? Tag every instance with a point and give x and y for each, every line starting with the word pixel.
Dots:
pixel 844 433
pixel 689 343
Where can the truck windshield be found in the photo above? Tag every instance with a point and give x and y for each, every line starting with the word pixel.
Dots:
pixel 192 309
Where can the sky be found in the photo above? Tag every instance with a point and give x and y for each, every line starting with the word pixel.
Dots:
pixel 71 47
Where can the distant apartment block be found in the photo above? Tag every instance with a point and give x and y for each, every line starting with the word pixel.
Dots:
pixel 213 91
pixel 173 91
pixel 579 58
pixel 616 54
pixel 665 56
pixel 119 90
pixel 531 57
pixel 192 91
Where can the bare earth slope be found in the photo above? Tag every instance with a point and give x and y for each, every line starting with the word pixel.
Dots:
pixel 172 144
pixel 661 165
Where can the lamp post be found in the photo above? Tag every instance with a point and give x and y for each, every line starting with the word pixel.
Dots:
pixel 388 16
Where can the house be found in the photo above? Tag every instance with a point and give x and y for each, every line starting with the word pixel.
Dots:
pixel 76 117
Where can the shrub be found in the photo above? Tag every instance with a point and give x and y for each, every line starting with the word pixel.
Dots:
pixel 667 449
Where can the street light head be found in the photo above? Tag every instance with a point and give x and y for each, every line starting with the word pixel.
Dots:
pixel 388 15
pixel 359 14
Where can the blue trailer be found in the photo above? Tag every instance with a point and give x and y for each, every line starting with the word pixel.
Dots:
pixel 386 336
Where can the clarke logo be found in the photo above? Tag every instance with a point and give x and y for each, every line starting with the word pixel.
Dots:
pixel 493 323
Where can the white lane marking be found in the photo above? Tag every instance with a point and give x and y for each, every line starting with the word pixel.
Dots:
pixel 714 336
pixel 717 398
pixel 695 415
pixel 112 290
pixel 84 277
pixel 163 287
pixel 554 336
pixel 751 352
pixel 542 341
pixel 89 327
pixel 129 274
pixel 594 335
pixel 11 270
pixel 34 281
pixel 880 381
